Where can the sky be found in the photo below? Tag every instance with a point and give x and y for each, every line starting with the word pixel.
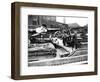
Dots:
pixel 68 20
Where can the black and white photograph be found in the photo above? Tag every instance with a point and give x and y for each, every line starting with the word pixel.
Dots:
pixel 57 40
pixel 50 40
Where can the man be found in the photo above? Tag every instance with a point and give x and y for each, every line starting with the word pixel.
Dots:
pixel 40 30
pixel 57 41
pixel 74 40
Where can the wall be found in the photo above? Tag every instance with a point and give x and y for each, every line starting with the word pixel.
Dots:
pixel 5 40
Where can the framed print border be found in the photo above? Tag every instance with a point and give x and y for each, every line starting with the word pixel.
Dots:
pixel 15 40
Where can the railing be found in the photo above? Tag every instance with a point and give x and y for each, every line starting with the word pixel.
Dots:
pixel 59 61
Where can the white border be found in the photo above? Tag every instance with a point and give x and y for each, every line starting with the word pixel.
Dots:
pixel 25 70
